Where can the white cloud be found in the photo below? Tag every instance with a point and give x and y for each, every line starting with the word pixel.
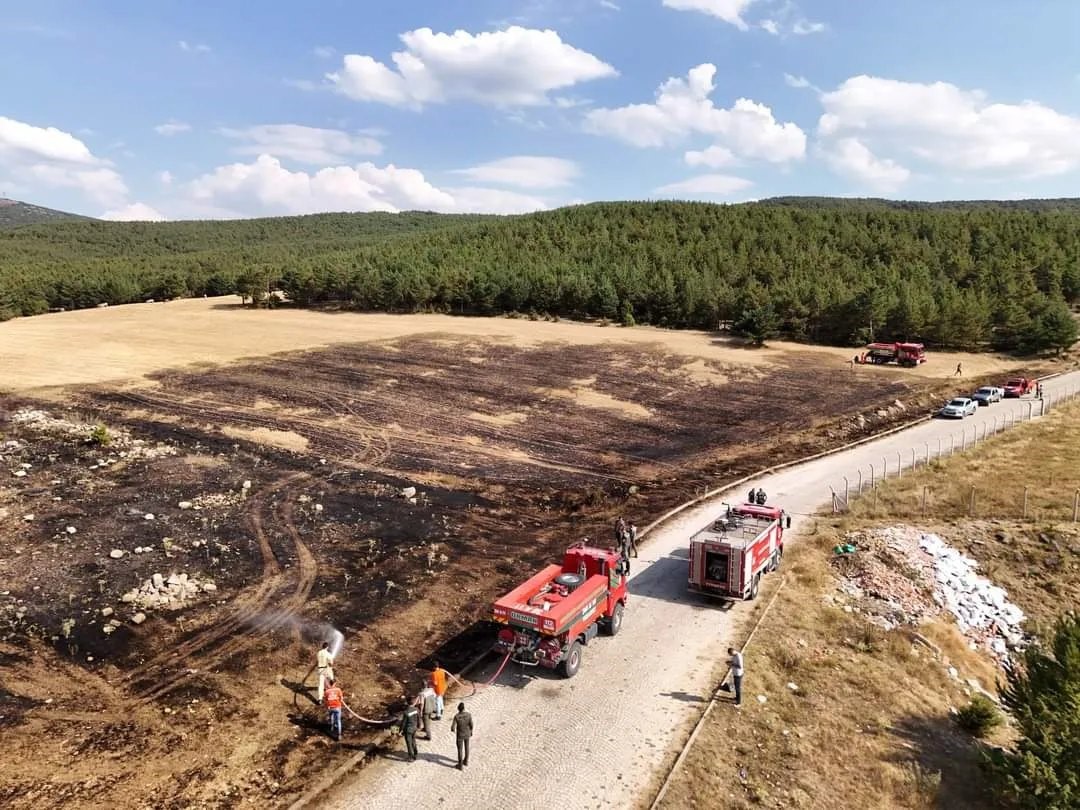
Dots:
pixel 608 4
pixel 514 67
pixel 804 27
pixel 798 82
pixel 32 156
pixel 189 47
pixel 324 51
pixel 851 158
pixel 525 172
pixel 265 187
pixel 683 108
pixel 711 184
pixel 165 177
pixel 136 212
pixel 960 130
pixel 730 11
pixel 714 157
pixel 171 127
pixel 304 144
pixel 770 26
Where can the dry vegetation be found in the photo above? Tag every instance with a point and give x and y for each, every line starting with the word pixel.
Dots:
pixel 869 725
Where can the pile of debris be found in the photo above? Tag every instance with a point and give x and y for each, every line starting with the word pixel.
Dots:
pixel 120 443
pixel 171 593
pixel 900 575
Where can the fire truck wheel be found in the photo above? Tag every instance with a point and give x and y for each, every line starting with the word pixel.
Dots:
pixel 777 556
pixel 754 587
pixel 615 622
pixel 572 663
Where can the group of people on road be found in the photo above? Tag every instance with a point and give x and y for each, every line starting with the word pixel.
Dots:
pixel 428 706
pixel 757 496
pixel 626 537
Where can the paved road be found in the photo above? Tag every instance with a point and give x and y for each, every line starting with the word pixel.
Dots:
pixel 598 739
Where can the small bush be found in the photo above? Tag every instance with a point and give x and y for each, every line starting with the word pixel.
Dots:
pixel 979 717
pixel 922 784
pixel 100 435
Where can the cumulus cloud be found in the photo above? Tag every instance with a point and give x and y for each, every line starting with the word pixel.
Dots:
pixel 165 177
pixel 514 67
pixel 851 158
pixel 136 212
pixel 189 47
pixel 265 187
pixel 683 108
pixel 33 156
pixel 525 171
pixel 714 157
pixel 943 125
pixel 707 184
pixel 770 26
pixel 804 27
pixel 303 144
pixel 170 128
pixel 730 11
pixel 798 82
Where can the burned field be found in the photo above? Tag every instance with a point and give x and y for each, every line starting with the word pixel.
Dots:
pixel 390 490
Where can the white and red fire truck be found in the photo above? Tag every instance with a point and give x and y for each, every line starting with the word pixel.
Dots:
pixel 548 618
pixel 729 557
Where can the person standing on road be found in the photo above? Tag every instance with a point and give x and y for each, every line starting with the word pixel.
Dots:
pixel 438 683
pixel 752 497
pixel 462 726
pixel 735 661
pixel 334 701
pixel 425 704
pixel 409 721
pixel 324 661
pixel 631 540
pixel 761 497
pixel 959 370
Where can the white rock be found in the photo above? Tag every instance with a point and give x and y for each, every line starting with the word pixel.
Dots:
pixel 953 673
pixel 185 504
pixel 148 516
pixel 130 596
pixel 71 530
pixel 157 580
pixel 408 492
pixel 19 473
pixel 304 498
pixel 116 553
pixel 28 517
pixel 209 587
pixel 139 618
pixel 246 485
pixel 762 699
pixel 108 611
pixel 318 507
pixel 108 629
pixel 794 687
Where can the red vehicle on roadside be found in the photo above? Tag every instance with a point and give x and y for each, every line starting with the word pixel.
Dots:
pixel 904 354
pixel 1020 386
pixel 551 616
pixel 729 557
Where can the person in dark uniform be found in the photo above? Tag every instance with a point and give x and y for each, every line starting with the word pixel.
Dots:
pixel 761 497
pixel 752 497
pixel 462 726
pixel 409 721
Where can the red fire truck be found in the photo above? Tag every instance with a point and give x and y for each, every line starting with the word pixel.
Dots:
pixel 906 354
pixel 730 555
pixel 552 615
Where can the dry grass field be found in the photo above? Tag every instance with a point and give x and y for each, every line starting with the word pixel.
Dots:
pixel 870 725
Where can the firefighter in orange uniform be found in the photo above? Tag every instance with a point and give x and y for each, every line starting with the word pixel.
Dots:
pixel 335 699
pixel 438 683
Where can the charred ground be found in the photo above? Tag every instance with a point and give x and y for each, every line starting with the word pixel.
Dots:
pixel 513 452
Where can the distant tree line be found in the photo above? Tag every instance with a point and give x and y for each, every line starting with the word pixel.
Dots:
pixel 974 276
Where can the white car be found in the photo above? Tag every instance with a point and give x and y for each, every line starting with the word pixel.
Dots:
pixel 988 394
pixel 959 408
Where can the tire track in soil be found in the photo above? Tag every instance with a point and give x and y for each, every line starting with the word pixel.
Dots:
pixel 253 619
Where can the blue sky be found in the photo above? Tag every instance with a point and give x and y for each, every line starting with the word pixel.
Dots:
pixel 178 109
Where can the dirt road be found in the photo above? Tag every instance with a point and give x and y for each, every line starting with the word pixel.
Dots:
pixel 616 723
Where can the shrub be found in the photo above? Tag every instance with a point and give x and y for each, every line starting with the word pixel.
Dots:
pixel 979 717
pixel 100 435
pixel 1043 696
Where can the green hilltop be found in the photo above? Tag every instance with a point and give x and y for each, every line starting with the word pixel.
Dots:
pixel 967 274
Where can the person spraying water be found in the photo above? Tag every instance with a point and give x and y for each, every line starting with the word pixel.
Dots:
pixel 324 663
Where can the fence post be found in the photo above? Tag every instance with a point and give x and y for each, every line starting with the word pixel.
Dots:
pixel 924 500
pixel 927 452
pixel 1031 410
pixel 952 443
pixel 871 476
pixel 1076 505
pixel 884 468
pixel 847 491
pixel 913 459
pixel 1024 516
pixel 860 481
pixel 938 448
pixel 963 438
pixel 971 503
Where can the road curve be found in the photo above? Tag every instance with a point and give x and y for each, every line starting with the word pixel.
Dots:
pixel 597 740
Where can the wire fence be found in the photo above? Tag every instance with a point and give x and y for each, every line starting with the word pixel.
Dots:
pixel 959 499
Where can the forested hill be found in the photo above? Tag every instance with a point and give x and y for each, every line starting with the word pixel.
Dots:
pixel 968 276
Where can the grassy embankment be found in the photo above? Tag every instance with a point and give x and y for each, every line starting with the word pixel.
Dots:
pixel 870 725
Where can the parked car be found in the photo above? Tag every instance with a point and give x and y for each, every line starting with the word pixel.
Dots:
pixel 959 408
pixel 988 394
